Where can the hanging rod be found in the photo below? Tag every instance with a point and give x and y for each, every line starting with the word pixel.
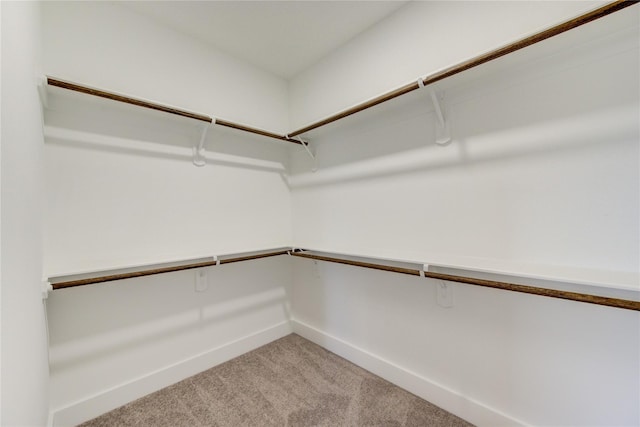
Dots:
pixel 475 62
pixel 159 107
pixel 60 283
pixel 527 289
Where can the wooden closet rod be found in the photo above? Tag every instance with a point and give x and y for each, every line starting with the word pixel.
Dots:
pixel 527 289
pixel 534 290
pixel 151 271
pixel 474 62
pixel 158 107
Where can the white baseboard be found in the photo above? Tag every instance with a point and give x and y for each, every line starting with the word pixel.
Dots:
pixel 112 398
pixel 464 407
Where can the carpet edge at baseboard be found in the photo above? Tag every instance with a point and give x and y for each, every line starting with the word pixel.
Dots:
pixel 107 400
pixel 455 403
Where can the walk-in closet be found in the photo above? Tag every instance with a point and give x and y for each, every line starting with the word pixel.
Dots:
pixel 320 213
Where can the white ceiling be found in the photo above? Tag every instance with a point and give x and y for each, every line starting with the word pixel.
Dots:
pixel 283 37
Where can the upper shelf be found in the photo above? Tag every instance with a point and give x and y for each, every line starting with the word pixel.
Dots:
pixel 474 62
pixel 486 62
pixel 614 26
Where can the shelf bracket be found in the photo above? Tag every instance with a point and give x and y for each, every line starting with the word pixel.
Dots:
pixel 198 150
pixel 305 144
pixel 443 131
pixel 46 288
pixel 42 91
pixel 425 268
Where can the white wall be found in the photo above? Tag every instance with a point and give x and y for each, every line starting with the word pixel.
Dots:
pixel 118 196
pixel 147 333
pixel 121 189
pixel 419 39
pixel 120 184
pixel 112 205
pixel 542 171
pixel 542 177
pixel 25 390
pixel 495 358
pixel 112 47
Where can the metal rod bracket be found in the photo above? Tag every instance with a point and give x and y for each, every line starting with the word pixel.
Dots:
pixel 46 288
pixel 425 268
pixel 198 150
pixel 305 144
pixel 443 131
pixel 42 92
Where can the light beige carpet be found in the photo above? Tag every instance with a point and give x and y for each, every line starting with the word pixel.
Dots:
pixel 289 382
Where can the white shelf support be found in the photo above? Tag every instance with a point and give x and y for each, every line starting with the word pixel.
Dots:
pixel 425 267
pixel 42 91
pixel 443 131
pixel 305 144
pixel 46 288
pixel 198 150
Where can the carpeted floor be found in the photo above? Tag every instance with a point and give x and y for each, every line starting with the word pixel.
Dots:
pixel 289 382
